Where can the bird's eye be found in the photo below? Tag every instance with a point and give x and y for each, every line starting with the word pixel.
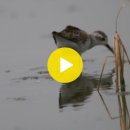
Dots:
pixel 103 39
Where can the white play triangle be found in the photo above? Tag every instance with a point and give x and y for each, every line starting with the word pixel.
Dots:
pixel 64 64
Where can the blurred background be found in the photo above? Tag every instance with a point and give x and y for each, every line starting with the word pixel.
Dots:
pixel 25 44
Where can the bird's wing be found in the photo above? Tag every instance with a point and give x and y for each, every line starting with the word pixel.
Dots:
pixel 74 34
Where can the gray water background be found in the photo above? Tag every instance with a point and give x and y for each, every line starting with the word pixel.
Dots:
pixel 29 98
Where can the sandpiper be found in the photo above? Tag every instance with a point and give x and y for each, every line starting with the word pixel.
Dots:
pixel 80 40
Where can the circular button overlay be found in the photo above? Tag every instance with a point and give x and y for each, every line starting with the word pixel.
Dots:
pixel 65 65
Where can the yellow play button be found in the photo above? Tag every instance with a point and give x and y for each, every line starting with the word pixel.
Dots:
pixel 65 65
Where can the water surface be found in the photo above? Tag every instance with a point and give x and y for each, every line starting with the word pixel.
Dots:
pixel 29 98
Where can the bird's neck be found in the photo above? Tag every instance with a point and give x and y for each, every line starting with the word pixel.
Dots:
pixel 93 41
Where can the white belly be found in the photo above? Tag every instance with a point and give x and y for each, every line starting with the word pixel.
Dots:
pixel 79 47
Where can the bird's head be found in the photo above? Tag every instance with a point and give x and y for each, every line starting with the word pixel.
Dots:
pixel 100 38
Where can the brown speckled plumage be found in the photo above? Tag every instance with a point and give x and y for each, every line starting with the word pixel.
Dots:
pixel 73 34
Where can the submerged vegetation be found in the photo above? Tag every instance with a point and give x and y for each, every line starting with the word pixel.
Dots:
pixel 119 53
pixel 119 56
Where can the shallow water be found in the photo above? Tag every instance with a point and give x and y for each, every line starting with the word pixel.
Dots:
pixel 29 98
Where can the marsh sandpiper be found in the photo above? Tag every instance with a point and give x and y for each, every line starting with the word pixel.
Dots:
pixel 80 40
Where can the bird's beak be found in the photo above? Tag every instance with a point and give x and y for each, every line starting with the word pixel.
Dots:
pixel 110 48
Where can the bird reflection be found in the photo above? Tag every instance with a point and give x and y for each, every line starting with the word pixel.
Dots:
pixel 77 92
